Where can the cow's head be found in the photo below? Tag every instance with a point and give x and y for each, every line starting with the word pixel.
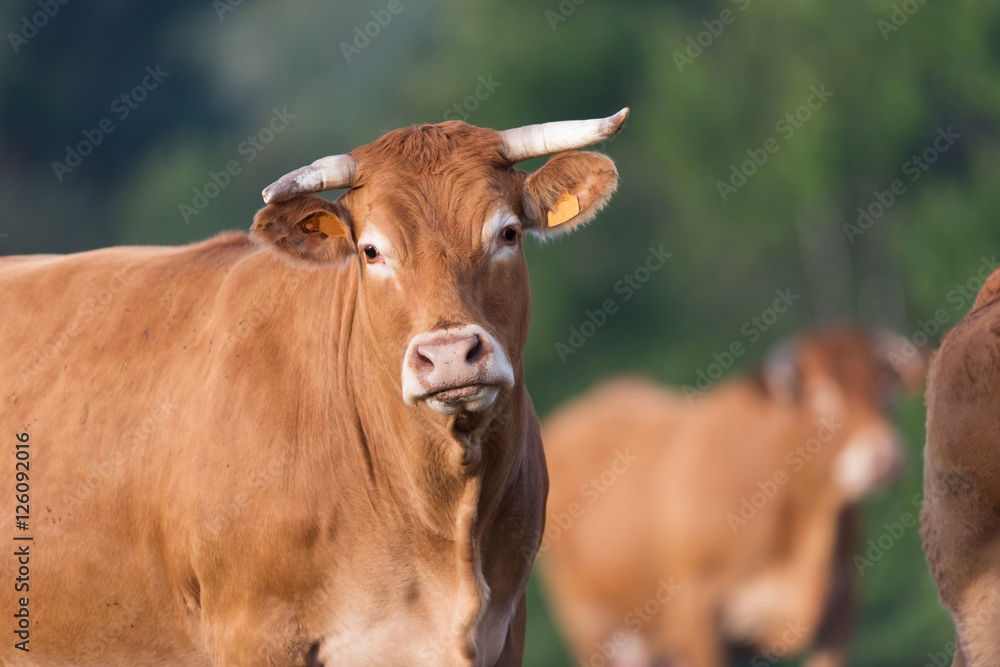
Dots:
pixel 434 218
pixel 842 378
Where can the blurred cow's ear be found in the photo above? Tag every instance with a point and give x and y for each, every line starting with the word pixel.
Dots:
pixel 909 361
pixel 567 192
pixel 305 229
pixel 780 371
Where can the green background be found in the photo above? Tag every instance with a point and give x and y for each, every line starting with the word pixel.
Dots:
pixel 231 65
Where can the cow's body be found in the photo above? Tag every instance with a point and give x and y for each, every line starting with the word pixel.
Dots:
pixel 158 529
pixel 728 505
pixel 311 449
pixel 961 511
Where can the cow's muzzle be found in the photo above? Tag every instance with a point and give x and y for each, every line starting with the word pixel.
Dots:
pixel 871 458
pixel 459 369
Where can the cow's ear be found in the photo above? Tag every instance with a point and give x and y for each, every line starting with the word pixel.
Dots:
pixel 305 228
pixel 567 192
pixel 780 371
pixel 908 361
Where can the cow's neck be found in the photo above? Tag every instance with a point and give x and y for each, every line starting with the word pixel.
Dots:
pixel 439 469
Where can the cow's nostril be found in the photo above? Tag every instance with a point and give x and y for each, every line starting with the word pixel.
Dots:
pixel 423 359
pixel 475 352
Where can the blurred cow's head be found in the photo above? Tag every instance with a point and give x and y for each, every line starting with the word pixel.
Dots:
pixel 843 380
pixel 433 218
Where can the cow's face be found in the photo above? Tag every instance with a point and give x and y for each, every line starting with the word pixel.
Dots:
pixel 843 379
pixel 434 222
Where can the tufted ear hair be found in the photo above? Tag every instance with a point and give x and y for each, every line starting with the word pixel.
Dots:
pixel 567 192
pixel 305 229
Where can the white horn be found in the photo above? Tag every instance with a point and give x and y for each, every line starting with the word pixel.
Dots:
pixel 524 143
pixel 328 173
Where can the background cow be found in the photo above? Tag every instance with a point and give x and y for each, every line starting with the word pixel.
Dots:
pixel 310 446
pixel 961 511
pixel 676 529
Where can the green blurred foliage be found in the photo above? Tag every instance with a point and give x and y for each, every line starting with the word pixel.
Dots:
pixel 232 65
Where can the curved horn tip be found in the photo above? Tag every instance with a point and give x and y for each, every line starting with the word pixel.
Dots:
pixel 279 191
pixel 617 122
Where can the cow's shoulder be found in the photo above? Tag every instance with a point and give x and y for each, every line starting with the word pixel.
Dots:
pixel 963 405
pixel 989 292
pixel 966 365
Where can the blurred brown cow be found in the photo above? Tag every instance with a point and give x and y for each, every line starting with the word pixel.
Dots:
pixel 961 513
pixel 678 529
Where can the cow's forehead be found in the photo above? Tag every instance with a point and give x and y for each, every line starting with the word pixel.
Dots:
pixel 429 149
pixel 434 184
pixel 845 356
pixel 428 218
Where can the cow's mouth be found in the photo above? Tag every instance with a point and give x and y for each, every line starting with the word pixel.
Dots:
pixel 466 398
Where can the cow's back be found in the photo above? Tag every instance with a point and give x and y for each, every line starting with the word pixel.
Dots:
pixel 107 356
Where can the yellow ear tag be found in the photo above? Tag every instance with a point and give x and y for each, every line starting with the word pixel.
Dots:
pixel 325 222
pixel 567 208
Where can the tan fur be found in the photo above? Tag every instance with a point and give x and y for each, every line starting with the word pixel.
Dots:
pixel 665 519
pixel 961 510
pixel 224 471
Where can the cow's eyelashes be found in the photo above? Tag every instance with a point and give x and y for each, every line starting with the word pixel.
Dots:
pixel 509 234
pixel 372 255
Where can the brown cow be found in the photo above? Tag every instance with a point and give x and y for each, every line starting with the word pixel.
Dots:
pixel 679 529
pixel 961 511
pixel 310 446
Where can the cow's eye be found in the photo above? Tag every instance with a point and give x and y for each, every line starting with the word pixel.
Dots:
pixel 372 254
pixel 508 235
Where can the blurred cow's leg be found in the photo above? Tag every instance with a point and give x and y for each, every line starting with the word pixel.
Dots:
pixel 582 618
pixel 699 641
pixel 832 640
